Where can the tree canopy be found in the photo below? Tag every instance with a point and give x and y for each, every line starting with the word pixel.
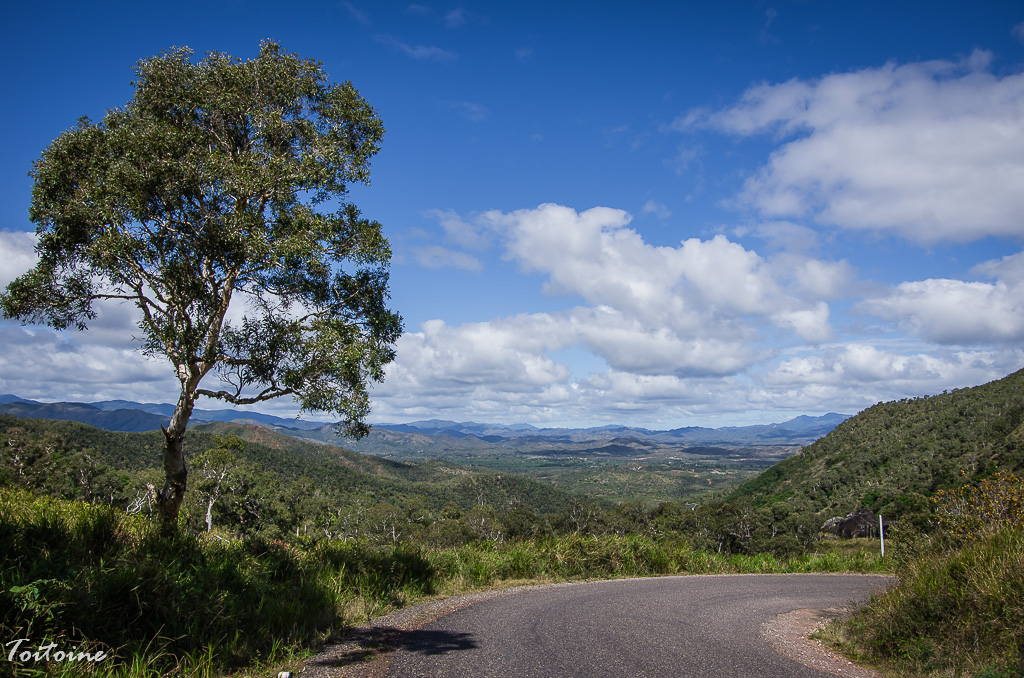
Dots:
pixel 216 202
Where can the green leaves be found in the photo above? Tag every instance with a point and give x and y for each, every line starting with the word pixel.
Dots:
pixel 199 201
pixel 203 193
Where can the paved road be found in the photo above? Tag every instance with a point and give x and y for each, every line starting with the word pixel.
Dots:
pixel 695 626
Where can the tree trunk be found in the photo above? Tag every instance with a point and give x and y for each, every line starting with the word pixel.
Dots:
pixel 169 499
pixel 209 514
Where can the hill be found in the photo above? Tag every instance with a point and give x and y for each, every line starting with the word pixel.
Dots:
pixel 614 463
pixel 277 479
pixel 892 456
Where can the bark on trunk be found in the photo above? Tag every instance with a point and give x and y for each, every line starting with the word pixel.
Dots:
pixel 169 499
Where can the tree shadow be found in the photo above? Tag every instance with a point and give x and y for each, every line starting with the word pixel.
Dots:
pixel 366 644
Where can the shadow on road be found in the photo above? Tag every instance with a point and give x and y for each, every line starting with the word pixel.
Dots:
pixel 367 644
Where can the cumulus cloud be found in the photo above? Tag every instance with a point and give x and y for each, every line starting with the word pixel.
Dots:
pixel 19 254
pixel 663 321
pixel 953 311
pixel 867 365
pixel 700 288
pixel 460 231
pixel 505 355
pixel 39 363
pixel 857 375
pixel 928 151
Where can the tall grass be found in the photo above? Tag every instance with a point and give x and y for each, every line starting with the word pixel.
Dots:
pixel 92 578
pixel 953 612
pixel 579 557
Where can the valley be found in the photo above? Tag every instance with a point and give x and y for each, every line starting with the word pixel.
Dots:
pixel 611 463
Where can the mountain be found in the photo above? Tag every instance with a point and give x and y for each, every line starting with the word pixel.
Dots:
pixel 433 434
pixel 203 416
pixel 8 398
pixel 117 420
pixel 125 415
pixel 893 456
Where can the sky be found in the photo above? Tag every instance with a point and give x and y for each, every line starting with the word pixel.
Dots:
pixel 653 214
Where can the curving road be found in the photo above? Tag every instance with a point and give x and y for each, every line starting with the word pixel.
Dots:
pixel 699 626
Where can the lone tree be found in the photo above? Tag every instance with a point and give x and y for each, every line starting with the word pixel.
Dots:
pixel 215 201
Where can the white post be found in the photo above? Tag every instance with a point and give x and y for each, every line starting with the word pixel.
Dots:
pixel 881 535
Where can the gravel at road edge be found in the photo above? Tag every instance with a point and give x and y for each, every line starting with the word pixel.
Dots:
pixel 789 635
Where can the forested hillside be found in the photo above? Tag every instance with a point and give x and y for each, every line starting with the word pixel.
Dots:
pixel 892 456
pixel 269 483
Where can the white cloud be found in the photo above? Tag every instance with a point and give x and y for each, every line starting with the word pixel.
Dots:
pixel 506 355
pixel 1008 269
pixel 667 318
pixel 460 231
pixel 435 256
pixel 430 53
pixel 953 311
pixel 39 363
pixel 866 365
pixel 19 254
pixel 957 312
pixel 658 209
pixel 929 151
pixel 702 288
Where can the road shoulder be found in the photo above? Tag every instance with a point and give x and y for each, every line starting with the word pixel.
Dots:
pixel 789 635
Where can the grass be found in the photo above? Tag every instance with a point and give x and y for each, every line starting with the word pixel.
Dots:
pixel 955 612
pixel 94 579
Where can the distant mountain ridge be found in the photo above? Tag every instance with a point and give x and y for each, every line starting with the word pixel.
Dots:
pixel 125 415
pixel 127 409
pixel 801 428
pixel 436 437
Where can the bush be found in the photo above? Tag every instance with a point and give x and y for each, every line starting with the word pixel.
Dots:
pixel 959 603
pixel 93 575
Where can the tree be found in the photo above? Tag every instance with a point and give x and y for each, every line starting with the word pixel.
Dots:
pixel 222 187
pixel 214 466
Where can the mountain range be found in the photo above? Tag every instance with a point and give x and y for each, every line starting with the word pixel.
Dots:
pixel 123 415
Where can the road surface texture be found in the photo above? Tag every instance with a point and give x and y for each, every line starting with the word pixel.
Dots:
pixel 712 626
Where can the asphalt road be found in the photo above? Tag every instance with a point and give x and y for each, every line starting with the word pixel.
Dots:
pixel 694 626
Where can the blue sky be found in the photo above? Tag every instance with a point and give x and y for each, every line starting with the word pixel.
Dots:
pixel 659 214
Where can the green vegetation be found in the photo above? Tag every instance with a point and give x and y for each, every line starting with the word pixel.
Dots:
pixel 687 475
pixel 183 604
pixel 321 538
pixel 221 188
pixel 958 608
pixel 278 487
pixel 892 457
